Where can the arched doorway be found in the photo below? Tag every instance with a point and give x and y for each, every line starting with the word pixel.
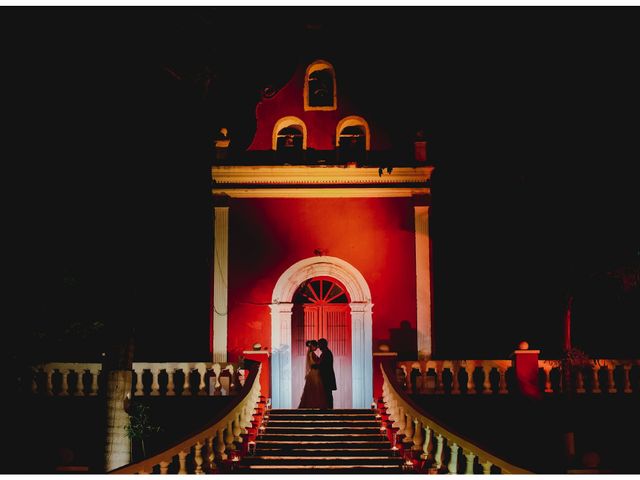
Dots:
pixel 360 306
pixel 321 310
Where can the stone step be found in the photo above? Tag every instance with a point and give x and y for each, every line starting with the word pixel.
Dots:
pixel 319 469
pixel 317 411
pixel 312 451
pixel 273 430
pixel 323 423
pixel 275 460
pixel 303 437
pixel 324 444
pixel 324 417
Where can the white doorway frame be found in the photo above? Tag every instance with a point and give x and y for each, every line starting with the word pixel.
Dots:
pixel 361 327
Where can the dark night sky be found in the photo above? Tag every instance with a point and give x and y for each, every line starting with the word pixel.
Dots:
pixel 530 113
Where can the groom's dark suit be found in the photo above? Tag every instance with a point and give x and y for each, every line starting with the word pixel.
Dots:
pixel 327 374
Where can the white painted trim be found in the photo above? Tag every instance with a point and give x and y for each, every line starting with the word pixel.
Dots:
pixel 423 283
pixel 285 122
pixel 314 66
pixel 354 121
pixel 316 175
pixel 220 285
pixel 361 324
pixel 320 192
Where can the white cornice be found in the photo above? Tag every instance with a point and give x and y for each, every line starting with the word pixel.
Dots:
pixel 316 175
pixel 336 192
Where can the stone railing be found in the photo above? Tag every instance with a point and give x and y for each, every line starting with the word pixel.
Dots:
pixel 154 379
pixel 208 449
pixel 496 376
pixel 430 440
pixel 602 376
pixel 454 376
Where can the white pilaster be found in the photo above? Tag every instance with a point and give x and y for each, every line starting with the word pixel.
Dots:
pixel 423 282
pixel 281 355
pixel 220 285
pixel 361 354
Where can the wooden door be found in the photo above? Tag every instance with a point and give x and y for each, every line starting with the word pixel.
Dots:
pixel 321 310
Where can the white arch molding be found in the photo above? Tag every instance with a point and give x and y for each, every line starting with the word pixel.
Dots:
pixel 361 326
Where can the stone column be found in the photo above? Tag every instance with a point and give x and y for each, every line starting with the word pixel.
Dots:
pixel 220 283
pixel 361 354
pixel 423 282
pixel 117 445
pixel 281 355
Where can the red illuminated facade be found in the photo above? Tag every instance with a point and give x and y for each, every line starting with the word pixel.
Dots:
pixel 321 230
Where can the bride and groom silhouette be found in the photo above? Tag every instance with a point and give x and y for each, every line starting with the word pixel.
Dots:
pixel 320 379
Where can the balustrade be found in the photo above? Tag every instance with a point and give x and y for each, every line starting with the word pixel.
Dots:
pixel 82 379
pixel 401 409
pixel 207 450
pixel 490 376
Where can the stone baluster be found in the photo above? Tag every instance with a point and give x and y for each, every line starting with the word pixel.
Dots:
pixel 547 379
pixel 236 428
pixel 439 450
pixel 471 385
pixel 77 387
pixel 596 380
pixel 171 388
pixel 228 436
pixel 455 382
pixel 580 381
pixel 245 417
pixel 219 445
pixel 486 384
pixel 164 467
pixel 418 438
pixel 182 460
pixel 83 383
pixel 439 382
pixel 611 387
pixel 65 383
pixel 198 458
pixel 390 406
pixel 155 383
pixel 211 454
pixel 486 467
pixel 186 390
pixel 401 421
pixel 627 378
pixel 49 382
pixel 202 371
pixel 502 385
pixel 216 371
pixel 95 375
pixel 426 444
pixel 453 459
pixel 139 387
pixel 471 458
pixel 408 429
pixel 232 386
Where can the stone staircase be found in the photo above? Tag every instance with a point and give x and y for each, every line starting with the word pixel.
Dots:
pixel 321 441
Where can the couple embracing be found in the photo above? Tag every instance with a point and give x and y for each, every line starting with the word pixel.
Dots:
pixel 320 379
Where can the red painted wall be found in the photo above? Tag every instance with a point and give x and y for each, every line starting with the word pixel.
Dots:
pixel 267 236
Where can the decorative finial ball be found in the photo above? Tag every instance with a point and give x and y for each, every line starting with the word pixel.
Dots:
pixel 523 345
pixel 257 346
pixel 383 347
